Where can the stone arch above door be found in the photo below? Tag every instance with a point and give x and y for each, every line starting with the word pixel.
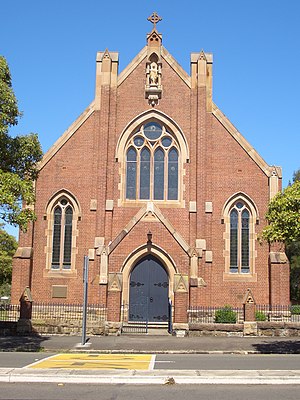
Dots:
pixel 134 257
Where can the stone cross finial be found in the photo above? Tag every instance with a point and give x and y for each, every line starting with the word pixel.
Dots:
pixel 154 18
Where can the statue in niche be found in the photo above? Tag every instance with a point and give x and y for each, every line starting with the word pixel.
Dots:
pixel 153 87
pixel 153 76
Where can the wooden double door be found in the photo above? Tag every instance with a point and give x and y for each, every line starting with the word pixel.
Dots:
pixel 149 291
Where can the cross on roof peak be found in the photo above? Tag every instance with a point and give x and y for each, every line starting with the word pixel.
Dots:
pixel 154 18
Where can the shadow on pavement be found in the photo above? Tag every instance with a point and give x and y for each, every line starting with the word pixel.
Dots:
pixel 22 343
pixel 278 347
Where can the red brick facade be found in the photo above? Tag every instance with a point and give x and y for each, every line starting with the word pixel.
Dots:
pixel 191 236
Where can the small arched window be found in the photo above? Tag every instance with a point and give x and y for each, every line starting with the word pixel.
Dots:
pixel 240 216
pixel 62 235
pixel 152 158
pixel 239 239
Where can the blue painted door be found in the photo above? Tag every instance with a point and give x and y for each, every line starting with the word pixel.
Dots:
pixel 149 289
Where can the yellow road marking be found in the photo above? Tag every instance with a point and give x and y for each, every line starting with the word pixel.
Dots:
pixel 97 361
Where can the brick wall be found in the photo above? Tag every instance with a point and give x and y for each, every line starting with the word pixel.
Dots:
pixel 86 167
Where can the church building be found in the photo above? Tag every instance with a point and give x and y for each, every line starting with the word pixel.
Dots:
pixel 159 189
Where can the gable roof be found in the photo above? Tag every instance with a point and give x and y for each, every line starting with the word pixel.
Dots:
pixel 66 135
pixel 267 169
pixel 165 55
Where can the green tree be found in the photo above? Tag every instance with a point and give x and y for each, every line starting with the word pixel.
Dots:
pixel 18 159
pixel 284 226
pixel 8 246
pixel 283 216
pixel 293 253
pixel 296 175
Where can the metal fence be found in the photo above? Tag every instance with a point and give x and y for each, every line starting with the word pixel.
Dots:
pixel 278 313
pixel 9 312
pixel 207 315
pixel 264 312
pixel 68 312
pixel 142 326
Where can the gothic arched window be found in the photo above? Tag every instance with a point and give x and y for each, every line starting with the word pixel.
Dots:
pixel 240 216
pixel 152 159
pixel 62 235
pixel 239 239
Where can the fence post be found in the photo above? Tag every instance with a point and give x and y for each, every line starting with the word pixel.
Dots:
pixel 24 323
pixel 249 306
pixel 250 324
pixel 170 322
pixel 85 298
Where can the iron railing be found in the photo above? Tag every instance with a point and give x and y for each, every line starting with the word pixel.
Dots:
pixel 73 312
pixel 9 312
pixel 142 326
pixel 96 312
pixel 279 313
pixel 264 312
pixel 207 315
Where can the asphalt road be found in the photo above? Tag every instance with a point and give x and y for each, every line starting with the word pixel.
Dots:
pixel 184 361
pixel 21 391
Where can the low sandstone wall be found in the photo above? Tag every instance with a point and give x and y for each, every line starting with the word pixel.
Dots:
pixel 283 329
pixel 278 329
pixel 197 329
pixel 53 327
pixel 65 327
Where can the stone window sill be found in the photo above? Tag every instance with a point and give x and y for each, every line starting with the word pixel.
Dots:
pixel 232 277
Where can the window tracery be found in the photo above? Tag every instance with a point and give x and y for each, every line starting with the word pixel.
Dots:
pixel 240 216
pixel 63 213
pixel 239 239
pixel 62 235
pixel 152 158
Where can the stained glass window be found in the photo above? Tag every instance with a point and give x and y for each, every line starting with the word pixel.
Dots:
pixel 62 235
pixel 56 238
pixel 152 158
pixel 152 130
pixel 131 174
pixel 159 163
pixel 234 241
pixel 68 238
pixel 145 174
pixel 239 239
pixel 245 241
pixel 173 174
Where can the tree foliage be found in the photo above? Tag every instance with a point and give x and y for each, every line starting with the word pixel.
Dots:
pixel 9 112
pixel 283 216
pixel 18 159
pixel 8 246
pixel 284 226
pixel 296 175
pixel 293 253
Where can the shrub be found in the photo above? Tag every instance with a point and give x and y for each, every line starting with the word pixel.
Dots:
pixel 295 309
pixel 225 315
pixel 260 316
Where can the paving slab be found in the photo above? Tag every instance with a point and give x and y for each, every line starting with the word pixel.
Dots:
pixel 154 344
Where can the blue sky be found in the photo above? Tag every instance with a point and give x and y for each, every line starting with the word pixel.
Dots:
pixel 51 50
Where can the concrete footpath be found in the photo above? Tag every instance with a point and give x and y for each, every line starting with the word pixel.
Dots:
pixel 154 345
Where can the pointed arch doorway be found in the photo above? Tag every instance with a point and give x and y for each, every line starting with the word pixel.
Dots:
pixel 148 291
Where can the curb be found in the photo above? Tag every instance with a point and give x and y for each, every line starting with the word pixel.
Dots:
pixel 134 351
pixel 258 377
